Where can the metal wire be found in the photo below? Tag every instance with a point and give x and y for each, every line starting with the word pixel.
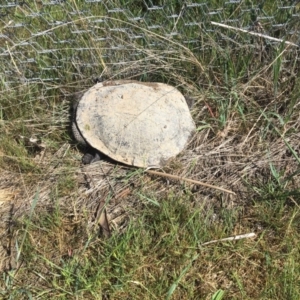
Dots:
pixel 50 41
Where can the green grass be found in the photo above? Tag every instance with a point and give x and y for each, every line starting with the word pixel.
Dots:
pixel 159 256
pixel 246 93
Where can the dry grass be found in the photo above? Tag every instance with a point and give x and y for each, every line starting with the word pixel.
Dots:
pixel 247 115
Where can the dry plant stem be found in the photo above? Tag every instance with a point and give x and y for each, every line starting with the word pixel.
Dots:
pixel 189 180
pixel 232 238
pixel 102 217
pixel 254 33
pixel 12 59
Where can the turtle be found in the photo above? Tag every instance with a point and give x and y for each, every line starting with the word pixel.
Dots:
pixel 141 124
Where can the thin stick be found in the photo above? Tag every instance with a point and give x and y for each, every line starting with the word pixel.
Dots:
pixel 255 33
pixel 189 180
pixel 232 238
pixel 12 59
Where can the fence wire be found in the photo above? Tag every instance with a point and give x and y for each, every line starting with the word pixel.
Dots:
pixel 64 41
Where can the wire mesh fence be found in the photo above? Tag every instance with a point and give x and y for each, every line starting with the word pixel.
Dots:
pixel 48 41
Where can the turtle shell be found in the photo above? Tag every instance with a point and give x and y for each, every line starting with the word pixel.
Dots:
pixel 136 123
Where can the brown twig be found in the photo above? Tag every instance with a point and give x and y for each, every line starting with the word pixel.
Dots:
pixel 232 238
pixel 189 180
pixel 255 34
